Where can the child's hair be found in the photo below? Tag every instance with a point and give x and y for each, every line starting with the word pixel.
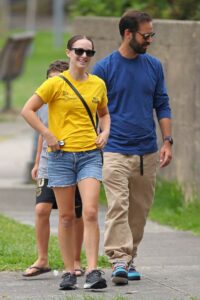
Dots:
pixel 58 65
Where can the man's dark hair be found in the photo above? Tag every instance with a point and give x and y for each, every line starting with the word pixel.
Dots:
pixel 57 65
pixel 132 19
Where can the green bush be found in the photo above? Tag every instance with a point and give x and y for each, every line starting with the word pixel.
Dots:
pixel 163 9
pixel 104 7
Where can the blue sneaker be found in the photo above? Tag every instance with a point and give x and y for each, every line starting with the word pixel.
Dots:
pixel 119 274
pixel 133 274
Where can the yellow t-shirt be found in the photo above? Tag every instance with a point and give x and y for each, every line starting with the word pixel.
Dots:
pixel 68 119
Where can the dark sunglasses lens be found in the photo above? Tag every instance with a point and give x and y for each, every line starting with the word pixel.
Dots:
pixel 90 53
pixel 78 51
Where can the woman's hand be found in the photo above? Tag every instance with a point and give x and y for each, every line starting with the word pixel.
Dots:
pixel 51 140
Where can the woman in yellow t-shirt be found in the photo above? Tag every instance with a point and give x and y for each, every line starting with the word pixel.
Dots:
pixel 78 159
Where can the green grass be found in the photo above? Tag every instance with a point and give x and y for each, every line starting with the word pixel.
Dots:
pixel 18 247
pixel 170 208
pixel 41 55
pixel 103 199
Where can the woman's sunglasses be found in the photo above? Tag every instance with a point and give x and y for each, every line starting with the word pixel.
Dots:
pixel 80 51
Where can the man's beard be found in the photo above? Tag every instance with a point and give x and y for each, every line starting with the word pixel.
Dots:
pixel 138 48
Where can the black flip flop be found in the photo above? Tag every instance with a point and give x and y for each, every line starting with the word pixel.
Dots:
pixel 39 271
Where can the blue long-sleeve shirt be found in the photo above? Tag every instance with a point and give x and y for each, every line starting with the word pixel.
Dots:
pixel 135 88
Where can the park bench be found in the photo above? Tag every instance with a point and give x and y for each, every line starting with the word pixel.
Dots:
pixel 12 58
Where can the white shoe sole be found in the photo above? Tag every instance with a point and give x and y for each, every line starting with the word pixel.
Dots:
pixel 97 285
pixel 119 280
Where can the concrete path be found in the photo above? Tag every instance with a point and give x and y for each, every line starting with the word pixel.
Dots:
pixel 169 260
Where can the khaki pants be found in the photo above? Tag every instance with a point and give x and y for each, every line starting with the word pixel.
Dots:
pixel 130 196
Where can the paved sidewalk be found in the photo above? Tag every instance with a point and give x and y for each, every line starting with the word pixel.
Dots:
pixel 16 141
pixel 169 260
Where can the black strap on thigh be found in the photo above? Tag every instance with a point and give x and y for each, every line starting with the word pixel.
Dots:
pixel 141 165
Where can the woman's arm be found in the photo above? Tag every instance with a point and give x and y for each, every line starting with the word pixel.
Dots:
pixel 29 114
pixel 104 124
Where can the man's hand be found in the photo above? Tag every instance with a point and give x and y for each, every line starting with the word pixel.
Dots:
pixel 165 154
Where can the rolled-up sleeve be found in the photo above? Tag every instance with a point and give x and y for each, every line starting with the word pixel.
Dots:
pixel 161 98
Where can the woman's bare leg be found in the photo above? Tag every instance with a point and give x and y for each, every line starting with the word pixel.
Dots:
pixel 66 207
pixel 89 189
pixel 78 242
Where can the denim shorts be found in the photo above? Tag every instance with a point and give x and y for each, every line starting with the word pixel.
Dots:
pixel 68 168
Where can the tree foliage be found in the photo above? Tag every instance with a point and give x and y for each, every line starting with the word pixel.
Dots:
pixel 162 9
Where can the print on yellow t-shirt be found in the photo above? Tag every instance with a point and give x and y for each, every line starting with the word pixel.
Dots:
pixel 68 118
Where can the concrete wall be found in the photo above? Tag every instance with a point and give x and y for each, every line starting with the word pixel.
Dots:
pixel 177 45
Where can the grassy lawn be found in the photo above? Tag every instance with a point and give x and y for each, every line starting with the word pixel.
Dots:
pixel 18 247
pixel 169 208
pixel 42 53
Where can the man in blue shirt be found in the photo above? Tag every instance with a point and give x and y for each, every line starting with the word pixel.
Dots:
pixel 136 88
